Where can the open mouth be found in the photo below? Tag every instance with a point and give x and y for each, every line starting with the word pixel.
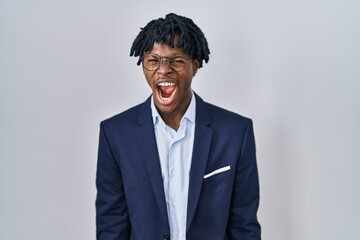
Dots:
pixel 166 91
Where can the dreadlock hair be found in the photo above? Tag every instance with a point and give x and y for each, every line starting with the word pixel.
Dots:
pixel 192 39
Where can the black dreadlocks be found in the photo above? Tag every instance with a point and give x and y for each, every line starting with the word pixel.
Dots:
pixel 192 39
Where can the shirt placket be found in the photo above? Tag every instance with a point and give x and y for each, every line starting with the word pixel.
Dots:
pixel 174 179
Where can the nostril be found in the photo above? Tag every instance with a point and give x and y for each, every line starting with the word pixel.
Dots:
pixel 164 68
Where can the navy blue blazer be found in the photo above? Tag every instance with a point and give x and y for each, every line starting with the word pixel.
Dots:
pixel 130 202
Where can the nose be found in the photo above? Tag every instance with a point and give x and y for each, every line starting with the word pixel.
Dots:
pixel 164 67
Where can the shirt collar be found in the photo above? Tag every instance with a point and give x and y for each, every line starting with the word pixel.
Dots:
pixel 190 113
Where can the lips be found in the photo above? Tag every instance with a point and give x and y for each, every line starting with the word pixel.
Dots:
pixel 166 91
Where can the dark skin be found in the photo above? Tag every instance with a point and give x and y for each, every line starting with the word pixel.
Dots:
pixel 173 106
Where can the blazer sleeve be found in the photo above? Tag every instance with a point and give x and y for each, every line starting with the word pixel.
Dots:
pixel 243 223
pixel 112 219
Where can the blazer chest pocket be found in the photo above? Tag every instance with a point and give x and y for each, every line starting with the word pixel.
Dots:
pixel 217 175
pixel 215 194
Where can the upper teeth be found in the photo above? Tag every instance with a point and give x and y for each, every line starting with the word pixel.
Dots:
pixel 166 84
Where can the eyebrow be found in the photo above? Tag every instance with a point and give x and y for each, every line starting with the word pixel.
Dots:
pixel 173 56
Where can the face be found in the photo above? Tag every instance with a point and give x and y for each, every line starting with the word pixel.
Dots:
pixel 171 89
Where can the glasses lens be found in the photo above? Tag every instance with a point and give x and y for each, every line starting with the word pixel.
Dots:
pixel 177 63
pixel 151 62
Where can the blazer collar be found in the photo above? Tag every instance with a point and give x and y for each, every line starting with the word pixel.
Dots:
pixel 148 146
pixel 201 150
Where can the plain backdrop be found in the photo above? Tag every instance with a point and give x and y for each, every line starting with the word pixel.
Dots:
pixel 291 66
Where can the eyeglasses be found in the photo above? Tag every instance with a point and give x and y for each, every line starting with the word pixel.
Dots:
pixel 152 62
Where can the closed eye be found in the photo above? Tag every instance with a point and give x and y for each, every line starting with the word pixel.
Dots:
pixel 153 60
pixel 177 60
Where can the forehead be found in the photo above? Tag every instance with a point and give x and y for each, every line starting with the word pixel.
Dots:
pixel 163 49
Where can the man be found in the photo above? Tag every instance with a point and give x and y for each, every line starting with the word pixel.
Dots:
pixel 176 167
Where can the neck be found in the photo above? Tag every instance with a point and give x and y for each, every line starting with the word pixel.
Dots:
pixel 173 119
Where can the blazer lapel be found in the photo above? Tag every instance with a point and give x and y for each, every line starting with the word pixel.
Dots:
pixel 201 149
pixel 147 140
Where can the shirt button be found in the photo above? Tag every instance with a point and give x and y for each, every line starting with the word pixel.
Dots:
pixel 173 172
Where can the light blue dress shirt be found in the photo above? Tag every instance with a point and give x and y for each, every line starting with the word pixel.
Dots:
pixel 175 151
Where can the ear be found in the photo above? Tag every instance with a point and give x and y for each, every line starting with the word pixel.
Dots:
pixel 195 66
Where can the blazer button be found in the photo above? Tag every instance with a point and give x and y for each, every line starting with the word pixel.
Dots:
pixel 166 237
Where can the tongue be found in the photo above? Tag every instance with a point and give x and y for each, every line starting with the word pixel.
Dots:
pixel 167 91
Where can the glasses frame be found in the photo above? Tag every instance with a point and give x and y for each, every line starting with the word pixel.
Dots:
pixel 166 59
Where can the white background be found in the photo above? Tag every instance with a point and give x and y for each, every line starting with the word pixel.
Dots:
pixel 292 66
